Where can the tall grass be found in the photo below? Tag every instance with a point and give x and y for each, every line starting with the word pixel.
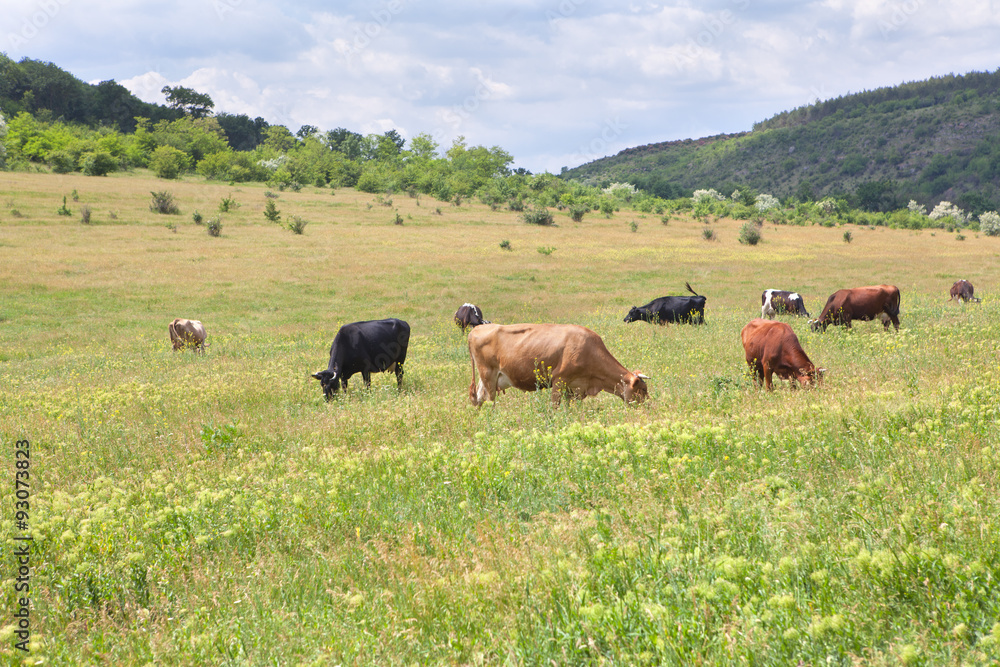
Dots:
pixel 216 510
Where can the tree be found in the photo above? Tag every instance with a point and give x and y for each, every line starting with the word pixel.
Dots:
pixel 242 132
pixel 188 100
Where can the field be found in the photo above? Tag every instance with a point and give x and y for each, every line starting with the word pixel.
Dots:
pixel 190 510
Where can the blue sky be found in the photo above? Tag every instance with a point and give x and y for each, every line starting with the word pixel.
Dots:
pixel 554 83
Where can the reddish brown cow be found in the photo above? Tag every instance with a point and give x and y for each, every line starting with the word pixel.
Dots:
pixel 772 347
pixel 963 291
pixel 860 303
pixel 566 357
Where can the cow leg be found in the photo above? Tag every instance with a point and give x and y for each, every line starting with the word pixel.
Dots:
pixel 367 378
pixel 399 376
pixel 768 377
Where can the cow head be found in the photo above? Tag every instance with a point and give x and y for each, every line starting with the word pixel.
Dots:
pixel 633 388
pixel 634 315
pixel 329 381
pixel 817 325
pixel 810 376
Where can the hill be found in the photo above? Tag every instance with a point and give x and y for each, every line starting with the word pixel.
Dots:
pixel 930 141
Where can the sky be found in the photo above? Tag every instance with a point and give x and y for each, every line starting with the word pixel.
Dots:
pixel 556 83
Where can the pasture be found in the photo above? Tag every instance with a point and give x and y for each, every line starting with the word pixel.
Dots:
pixel 215 509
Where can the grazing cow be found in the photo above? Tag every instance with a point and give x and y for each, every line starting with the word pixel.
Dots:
pixel 366 348
pixel 860 303
pixel 187 333
pixel 566 357
pixel 772 347
pixel 671 309
pixel 780 301
pixel 963 290
pixel 469 315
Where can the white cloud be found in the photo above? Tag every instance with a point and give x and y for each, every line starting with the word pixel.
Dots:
pixel 553 83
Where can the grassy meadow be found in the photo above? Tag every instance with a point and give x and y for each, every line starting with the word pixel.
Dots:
pixel 194 510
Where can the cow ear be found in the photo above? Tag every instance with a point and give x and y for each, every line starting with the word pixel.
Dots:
pixel 319 376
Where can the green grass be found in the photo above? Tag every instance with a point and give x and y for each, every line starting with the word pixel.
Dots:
pixel 215 510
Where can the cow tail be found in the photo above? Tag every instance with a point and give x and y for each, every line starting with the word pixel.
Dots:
pixel 472 358
pixel 894 305
pixel 688 285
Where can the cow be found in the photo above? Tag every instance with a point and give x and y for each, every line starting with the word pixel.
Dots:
pixel 689 309
pixel 568 358
pixel 773 348
pixel 962 291
pixel 774 301
pixel 860 303
pixel 365 347
pixel 187 333
pixel 469 315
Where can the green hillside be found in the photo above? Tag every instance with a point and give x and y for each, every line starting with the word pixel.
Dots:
pixel 930 141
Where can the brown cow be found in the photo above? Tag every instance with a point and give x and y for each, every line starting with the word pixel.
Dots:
pixel 469 315
pixel 772 347
pixel 187 333
pixel 963 291
pixel 860 303
pixel 566 357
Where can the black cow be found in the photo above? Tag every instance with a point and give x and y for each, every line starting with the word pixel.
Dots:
pixel 365 347
pixel 689 309
pixel 469 315
pixel 774 301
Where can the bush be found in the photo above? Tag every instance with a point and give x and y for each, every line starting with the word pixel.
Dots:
pixel 546 250
pixel 538 216
pixel 215 227
pixel 228 204
pixel 848 237
pixel 99 163
pixel 505 245
pixel 750 233
pixel 708 234
pixel 163 202
pixel 271 211
pixel 85 215
pixel 168 162
pixel 197 218
pixel 577 212
pixel 989 223
pixel 62 162
pixel 296 224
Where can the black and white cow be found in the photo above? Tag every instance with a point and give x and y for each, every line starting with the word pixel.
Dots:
pixel 690 309
pixel 365 347
pixel 469 315
pixel 781 301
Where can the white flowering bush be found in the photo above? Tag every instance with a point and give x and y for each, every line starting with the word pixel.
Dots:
pixel 914 207
pixel 828 205
pixel 273 163
pixel 989 223
pixel 946 209
pixel 766 202
pixel 620 190
pixel 709 195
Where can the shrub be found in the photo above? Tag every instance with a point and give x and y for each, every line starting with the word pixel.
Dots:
pixel 215 227
pixel 296 224
pixel 62 162
pixel 666 219
pixel 271 211
pixel 750 234
pixel 228 204
pixel 633 226
pixel 848 237
pixel 168 162
pixel 946 209
pixel 163 202
pixel 85 215
pixel 708 234
pixel 398 220
pixel 99 163
pixel 577 212
pixel 706 196
pixel 538 216
pixel 505 245
pixel 197 217
pixel 766 202
pixel 989 223
pixel 546 250
pixel 63 210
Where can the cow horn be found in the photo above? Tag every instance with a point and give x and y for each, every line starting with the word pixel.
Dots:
pixel 317 376
pixel 641 376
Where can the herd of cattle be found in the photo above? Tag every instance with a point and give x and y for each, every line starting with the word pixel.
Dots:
pixel 573 360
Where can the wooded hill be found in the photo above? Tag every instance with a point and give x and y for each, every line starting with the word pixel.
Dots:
pixel 929 141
